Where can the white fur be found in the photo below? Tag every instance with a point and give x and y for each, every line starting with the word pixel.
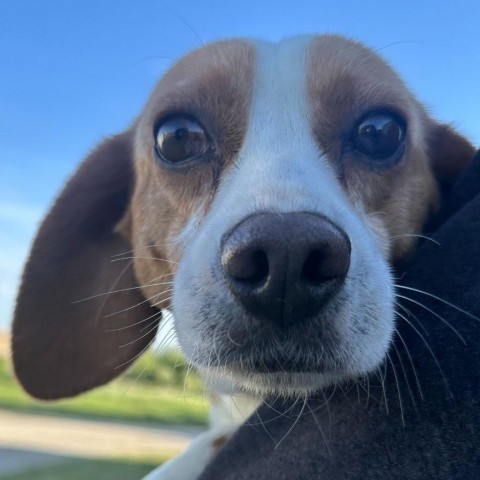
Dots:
pixel 227 412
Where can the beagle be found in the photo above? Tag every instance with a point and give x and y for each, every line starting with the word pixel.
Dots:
pixel 262 195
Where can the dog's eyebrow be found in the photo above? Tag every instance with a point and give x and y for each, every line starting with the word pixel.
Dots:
pixel 214 84
pixel 344 81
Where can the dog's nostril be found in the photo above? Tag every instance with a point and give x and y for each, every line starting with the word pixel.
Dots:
pixel 313 270
pixel 324 264
pixel 249 265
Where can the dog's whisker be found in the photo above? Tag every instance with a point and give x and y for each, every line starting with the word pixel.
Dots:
pixel 189 370
pixel 326 400
pixel 399 42
pixel 163 300
pixel 141 352
pixel 137 378
pixel 142 336
pixel 446 322
pixel 165 343
pixel 160 323
pixel 294 423
pixel 405 375
pixel 381 373
pixel 373 214
pixel 400 401
pixel 169 244
pixel 429 348
pixel 155 259
pixel 131 307
pixel 153 57
pixel 452 305
pixel 126 327
pixel 368 390
pixel 231 339
pixel 416 235
pixel 411 315
pixel 262 423
pixel 407 350
pixel 113 286
pixel 279 414
pixel 186 24
pixel 122 290
pixel 319 429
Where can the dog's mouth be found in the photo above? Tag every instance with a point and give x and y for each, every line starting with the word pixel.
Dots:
pixel 275 358
pixel 276 374
pixel 301 358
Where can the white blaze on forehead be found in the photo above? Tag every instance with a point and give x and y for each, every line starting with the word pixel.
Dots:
pixel 279 116
pixel 280 166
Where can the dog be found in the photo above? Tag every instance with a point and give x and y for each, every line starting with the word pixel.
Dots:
pixel 263 195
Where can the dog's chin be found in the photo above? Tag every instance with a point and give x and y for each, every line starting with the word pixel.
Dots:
pixel 275 383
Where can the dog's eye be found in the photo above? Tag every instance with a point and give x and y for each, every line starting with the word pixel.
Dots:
pixel 379 136
pixel 180 139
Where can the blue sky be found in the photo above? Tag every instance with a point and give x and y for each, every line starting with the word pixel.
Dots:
pixel 73 72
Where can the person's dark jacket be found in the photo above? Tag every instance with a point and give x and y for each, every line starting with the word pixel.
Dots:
pixel 425 423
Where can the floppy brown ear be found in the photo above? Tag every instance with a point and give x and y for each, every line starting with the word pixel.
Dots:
pixel 450 153
pixel 60 346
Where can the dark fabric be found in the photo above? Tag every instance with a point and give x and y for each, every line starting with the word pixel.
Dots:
pixel 432 427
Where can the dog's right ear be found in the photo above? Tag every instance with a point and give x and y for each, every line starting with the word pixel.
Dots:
pixel 62 344
pixel 450 153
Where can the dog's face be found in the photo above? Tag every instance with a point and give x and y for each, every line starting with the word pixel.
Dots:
pixel 274 185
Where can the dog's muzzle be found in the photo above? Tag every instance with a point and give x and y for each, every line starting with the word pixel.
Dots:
pixel 285 267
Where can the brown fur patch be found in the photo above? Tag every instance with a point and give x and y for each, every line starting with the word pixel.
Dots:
pixel 213 84
pixel 345 81
pixel 219 442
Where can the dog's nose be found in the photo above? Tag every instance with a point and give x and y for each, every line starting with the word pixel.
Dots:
pixel 285 267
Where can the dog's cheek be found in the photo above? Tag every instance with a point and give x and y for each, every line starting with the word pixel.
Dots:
pixel 367 334
pixel 411 208
pixel 395 204
pixel 189 304
pixel 153 253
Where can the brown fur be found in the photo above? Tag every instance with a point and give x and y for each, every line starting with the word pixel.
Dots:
pixel 219 442
pixel 345 81
pixel 216 87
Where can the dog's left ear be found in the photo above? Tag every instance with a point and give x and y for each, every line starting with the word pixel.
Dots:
pixel 450 153
pixel 69 333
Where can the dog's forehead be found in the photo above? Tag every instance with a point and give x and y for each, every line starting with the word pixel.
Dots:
pixel 220 79
pixel 324 56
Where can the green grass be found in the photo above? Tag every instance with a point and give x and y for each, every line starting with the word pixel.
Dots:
pixel 88 469
pixel 155 389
